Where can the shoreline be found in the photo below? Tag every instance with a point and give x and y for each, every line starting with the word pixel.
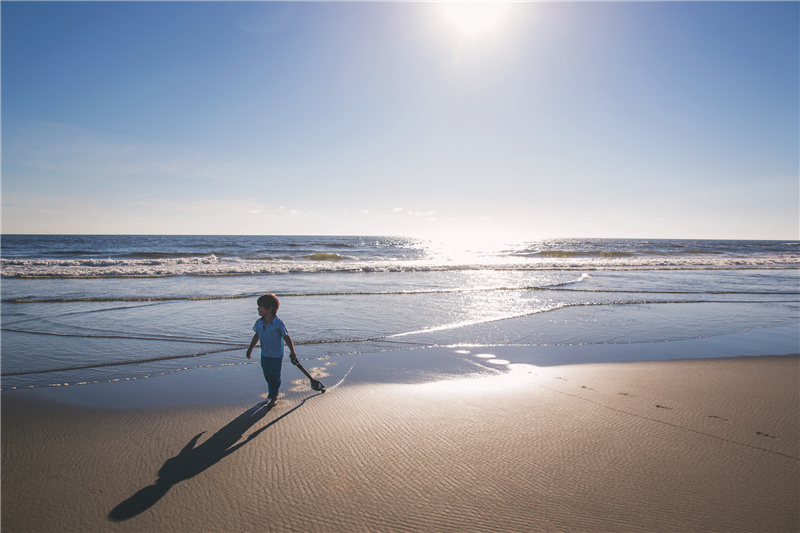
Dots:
pixel 776 340
pixel 435 440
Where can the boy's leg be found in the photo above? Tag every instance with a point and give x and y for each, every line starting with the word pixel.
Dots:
pixel 272 372
pixel 265 369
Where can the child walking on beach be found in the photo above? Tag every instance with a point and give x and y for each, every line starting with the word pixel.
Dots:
pixel 272 332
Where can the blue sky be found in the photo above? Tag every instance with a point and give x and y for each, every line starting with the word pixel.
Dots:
pixel 605 119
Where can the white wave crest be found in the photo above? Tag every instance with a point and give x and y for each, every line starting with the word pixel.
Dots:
pixel 213 266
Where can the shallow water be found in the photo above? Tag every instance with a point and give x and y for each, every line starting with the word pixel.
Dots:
pixel 78 323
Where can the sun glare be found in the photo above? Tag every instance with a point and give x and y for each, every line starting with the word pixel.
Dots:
pixel 474 19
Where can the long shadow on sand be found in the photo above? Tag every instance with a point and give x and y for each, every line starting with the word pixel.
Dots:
pixel 193 459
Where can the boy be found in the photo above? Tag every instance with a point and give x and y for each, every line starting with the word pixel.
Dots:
pixel 272 333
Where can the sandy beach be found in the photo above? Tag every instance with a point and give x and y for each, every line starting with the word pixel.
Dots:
pixel 544 257
pixel 440 439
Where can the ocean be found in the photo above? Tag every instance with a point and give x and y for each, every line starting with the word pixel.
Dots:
pixel 84 309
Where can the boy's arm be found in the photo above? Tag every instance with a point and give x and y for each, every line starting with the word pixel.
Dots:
pixel 252 345
pixel 290 344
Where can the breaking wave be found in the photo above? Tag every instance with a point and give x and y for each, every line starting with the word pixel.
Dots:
pixel 326 262
pixel 61 256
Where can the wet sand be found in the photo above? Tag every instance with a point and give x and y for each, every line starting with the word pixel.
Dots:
pixel 428 440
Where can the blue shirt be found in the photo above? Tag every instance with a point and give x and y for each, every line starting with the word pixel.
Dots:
pixel 271 336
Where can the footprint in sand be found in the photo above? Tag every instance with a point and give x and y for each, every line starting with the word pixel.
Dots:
pixel 318 372
pixel 266 395
pixel 767 435
pixel 299 385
